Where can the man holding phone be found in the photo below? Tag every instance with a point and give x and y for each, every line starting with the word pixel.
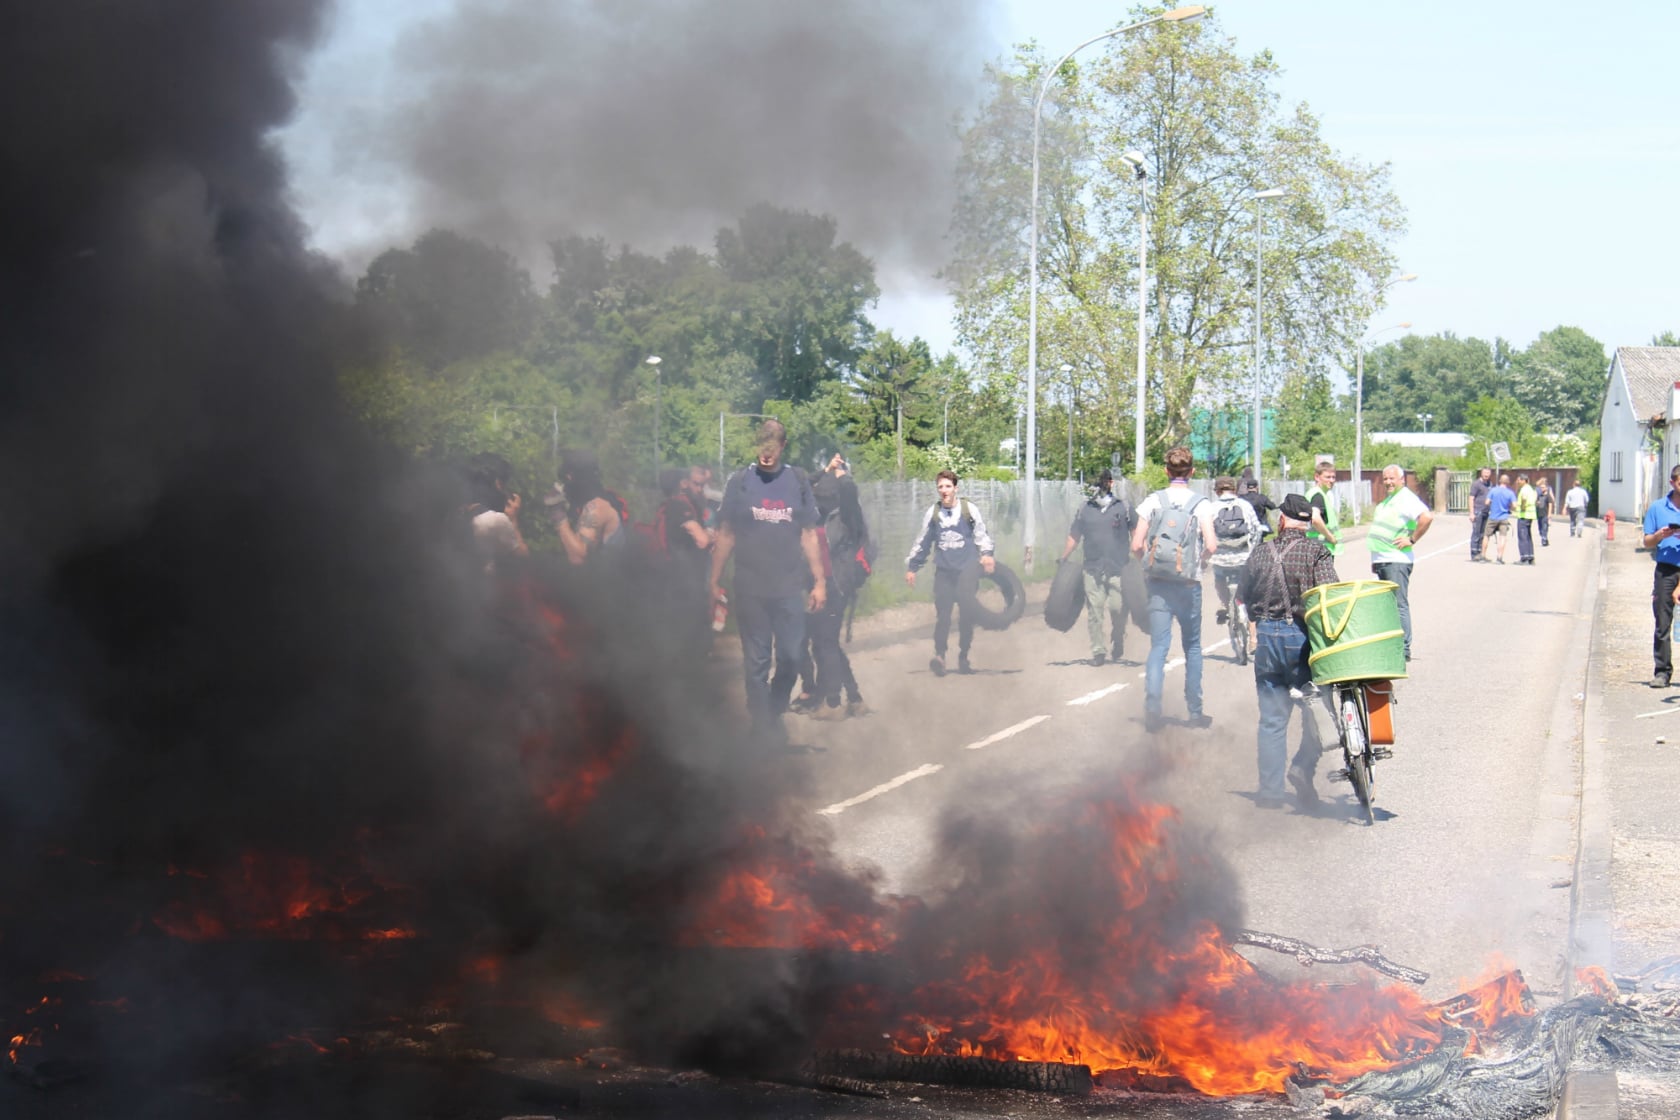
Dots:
pixel 1662 537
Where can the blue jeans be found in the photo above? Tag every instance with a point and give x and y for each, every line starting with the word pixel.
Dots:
pixel 1169 600
pixel 770 626
pixel 1280 664
pixel 1401 576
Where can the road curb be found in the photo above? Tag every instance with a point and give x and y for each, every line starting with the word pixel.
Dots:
pixel 1592 1094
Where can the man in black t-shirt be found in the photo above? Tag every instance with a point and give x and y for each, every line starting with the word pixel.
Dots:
pixel 687 546
pixel 768 523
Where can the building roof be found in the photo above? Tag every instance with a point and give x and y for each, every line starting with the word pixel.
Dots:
pixel 1650 371
pixel 1431 441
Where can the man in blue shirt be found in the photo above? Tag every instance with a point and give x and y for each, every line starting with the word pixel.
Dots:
pixel 1662 537
pixel 1500 500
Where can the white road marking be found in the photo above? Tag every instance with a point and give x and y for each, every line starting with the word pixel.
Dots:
pixel 1093 697
pixel 1007 732
pixel 1447 548
pixel 839 807
pixel 1653 715
pixel 1178 662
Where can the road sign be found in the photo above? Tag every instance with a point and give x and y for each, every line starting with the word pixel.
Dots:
pixel 1500 451
pixel 1115 459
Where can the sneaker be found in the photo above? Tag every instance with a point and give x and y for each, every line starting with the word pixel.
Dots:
pixel 962 664
pixel 1201 720
pixel 1501 560
pixel 1118 653
pixel 1152 722
pixel 829 711
pixel 1660 681
pixel 1302 781
pixel 1099 657
pixel 855 708
pixel 803 705
pixel 1222 616
pixel 937 665
pixel 1261 801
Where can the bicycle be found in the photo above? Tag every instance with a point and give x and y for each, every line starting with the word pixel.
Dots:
pixel 1365 729
pixel 1236 615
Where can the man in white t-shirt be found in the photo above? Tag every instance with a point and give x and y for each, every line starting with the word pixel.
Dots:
pixel 1398 522
pixel 1576 503
pixel 1173 550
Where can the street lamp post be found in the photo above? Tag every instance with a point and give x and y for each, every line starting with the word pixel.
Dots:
pixel 658 387
pixel 1256 442
pixel 1029 506
pixel 1067 370
pixel 1359 406
pixel 1425 418
pixel 1359 396
pixel 1135 159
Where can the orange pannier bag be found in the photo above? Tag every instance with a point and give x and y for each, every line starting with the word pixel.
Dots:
pixel 1379 704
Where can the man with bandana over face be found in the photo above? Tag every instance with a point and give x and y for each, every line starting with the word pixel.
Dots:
pixel 1105 524
pixel 768 523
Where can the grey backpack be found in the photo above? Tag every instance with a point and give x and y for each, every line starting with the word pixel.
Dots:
pixel 1173 548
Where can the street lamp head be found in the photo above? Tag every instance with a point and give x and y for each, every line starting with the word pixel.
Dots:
pixel 1134 159
pixel 1404 326
pixel 1274 192
pixel 1066 368
pixel 1179 15
pixel 653 360
pixel 1406 279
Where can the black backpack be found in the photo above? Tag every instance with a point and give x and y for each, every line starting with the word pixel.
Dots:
pixel 1229 525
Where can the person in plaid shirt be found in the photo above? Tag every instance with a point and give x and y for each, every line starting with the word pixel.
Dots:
pixel 1278 574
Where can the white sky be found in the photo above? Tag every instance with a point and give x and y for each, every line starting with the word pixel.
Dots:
pixel 1536 147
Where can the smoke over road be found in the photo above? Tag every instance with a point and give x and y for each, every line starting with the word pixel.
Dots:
pixel 657 123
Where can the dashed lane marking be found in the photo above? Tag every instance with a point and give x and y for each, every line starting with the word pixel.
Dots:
pixel 1654 715
pixel 839 807
pixel 1093 697
pixel 1007 733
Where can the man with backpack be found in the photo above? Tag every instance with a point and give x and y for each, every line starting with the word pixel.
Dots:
pixel 768 523
pixel 1174 535
pixel 955 535
pixel 1237 529
pixel 1104 524
pixel 850 563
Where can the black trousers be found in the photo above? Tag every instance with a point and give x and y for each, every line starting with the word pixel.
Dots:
pixel 954 588
pixel 834 668
pixel 1662 606
pixel 1478 531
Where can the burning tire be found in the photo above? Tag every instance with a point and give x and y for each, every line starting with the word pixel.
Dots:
pixel 1014 600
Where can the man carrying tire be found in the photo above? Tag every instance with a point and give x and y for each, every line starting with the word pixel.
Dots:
pixel 954 534
pixel 1105 524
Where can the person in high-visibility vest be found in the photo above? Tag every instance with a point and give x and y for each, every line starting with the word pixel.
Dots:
pixel 1527 511
pixel 1326 521
pixel 1398 522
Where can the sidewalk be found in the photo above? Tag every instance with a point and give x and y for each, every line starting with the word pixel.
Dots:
pixel 1627 875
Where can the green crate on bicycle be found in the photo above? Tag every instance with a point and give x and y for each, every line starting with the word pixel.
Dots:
pixel 1353 631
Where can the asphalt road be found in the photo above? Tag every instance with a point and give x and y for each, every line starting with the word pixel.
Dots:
pixel 1468 866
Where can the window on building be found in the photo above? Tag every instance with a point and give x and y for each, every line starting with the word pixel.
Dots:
pixel 1615 466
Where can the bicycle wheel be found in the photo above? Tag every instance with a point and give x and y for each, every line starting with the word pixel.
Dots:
pixel 1239 633
pixel 1356 749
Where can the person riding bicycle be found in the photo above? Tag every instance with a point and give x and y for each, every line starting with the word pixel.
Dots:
pixel 1238 529
pixel 1279 573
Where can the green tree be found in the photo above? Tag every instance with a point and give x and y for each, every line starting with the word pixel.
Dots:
pixel 446 298
pixel 799 297
pixel 1311 423
pixel 1491 420
pixel 894 389
pixel 1560 379
pixel 1212 131
pixel 1666 338
pixel 1442 375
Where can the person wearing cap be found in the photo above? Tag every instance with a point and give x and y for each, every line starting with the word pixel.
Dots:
pixel 1248 489
pixel 1662 537
pixel 1277 576
pixel 1398 522
pixel 768 523
pixel 1104 524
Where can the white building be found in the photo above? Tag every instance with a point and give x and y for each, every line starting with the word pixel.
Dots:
pixel 1637 443
pixel 1448 443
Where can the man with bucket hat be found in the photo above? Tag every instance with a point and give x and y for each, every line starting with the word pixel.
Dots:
pixel 1278 574
pixel 1398 522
